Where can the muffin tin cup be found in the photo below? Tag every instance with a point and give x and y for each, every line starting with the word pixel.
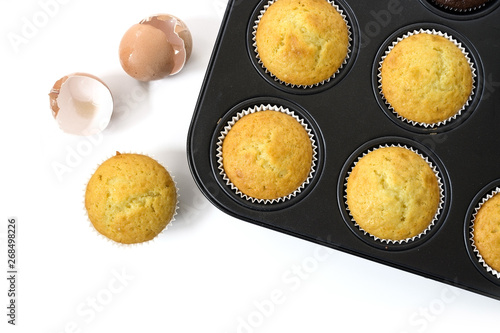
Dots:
pixel 258 108
pixel 481 198
pixel 348 17
pixel 422 125
pixel 111 241
pixel 425 154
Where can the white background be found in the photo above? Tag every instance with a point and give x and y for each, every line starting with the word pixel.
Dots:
pixel 208 272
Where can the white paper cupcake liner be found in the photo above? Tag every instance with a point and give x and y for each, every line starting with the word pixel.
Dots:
pixel 248 111
pixel 479 257
pixel 436 215
pixel 459 10
pixel 111 241
pixel 465 53
pixel 259 61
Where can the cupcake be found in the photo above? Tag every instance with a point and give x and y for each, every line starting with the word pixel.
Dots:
pixel 461 5
pixel 266 154
pixel 302 42
pixel 130 198
pixel 486 234
pixel 393 194
pixel 426 79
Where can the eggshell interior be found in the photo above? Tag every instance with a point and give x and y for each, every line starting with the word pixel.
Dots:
pixel 85 105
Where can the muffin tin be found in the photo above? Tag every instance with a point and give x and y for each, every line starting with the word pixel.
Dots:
pixel 347 117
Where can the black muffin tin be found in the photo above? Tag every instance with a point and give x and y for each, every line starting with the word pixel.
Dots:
pixel 348 117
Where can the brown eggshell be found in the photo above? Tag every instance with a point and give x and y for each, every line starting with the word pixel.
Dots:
pixel 156 47
pixel 145 53
pixel 178 34
pixel 54 93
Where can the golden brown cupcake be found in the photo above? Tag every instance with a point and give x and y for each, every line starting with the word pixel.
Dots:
pixel 267 155
pixel 487 232
pixel 302 42
pixel 393 193
pixel 130 198
pixel 426 78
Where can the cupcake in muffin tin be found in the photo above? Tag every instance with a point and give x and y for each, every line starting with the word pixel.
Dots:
pixel 461 10
pixel 483 233
pixel 426 78
pixel 393 194
pixel 266 154
pixel 302 43
pixel 462 6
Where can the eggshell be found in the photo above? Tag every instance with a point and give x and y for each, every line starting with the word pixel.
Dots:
pixel 156 47
pixel 81 103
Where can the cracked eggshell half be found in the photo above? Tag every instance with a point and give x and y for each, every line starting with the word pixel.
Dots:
pixel 155 48
pixel 81 103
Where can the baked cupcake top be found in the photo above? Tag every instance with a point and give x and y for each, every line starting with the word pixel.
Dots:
pixel 302 42
pixel 487 232
pixel 130 198
pixel 426 78
pixel 461 4
pixel 267 154
pixel 393 193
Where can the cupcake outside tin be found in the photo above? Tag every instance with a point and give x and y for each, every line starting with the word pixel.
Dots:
pixel 347 117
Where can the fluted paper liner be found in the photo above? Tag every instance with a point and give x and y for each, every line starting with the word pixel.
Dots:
pixel 459 10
